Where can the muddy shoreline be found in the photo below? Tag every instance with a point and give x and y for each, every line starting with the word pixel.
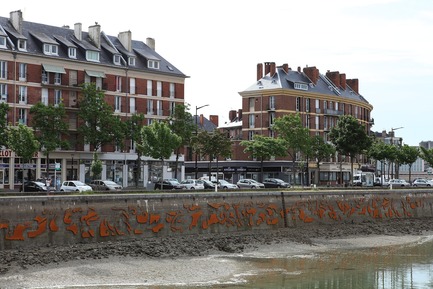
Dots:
pixel 13 261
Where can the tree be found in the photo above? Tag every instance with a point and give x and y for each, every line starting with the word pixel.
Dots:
pixel 263 148
pixel 96 167
pixel 23 142
pixel 379 151
pixel 427 155
pixel 343 136
pixel 4 108
pixel 133 132
pixel 181 123
pixel 158 141
pixel 99 126
pixel 289 128
pixel 49 123
pixel 320 150
pixel 407 156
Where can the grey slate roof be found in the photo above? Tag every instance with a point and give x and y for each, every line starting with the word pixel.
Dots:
pixel 37 33
pixel 283 80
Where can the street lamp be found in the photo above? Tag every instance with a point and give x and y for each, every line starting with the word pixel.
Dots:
pixel 196 134
pixel 392 143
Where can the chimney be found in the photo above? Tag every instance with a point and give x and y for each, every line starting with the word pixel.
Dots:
pixel 343 81
pixel 286 68
pixel 214 119
pixel 334 76
pixel 201 120
pixel 240 114
pixel 126 39
pixel 299 69
pixel 353 84
pixel 78 31
pixel 272 69
pixel 312 73
pixel 150 42
pixel 95 34
pixel 16 18
pixel 267 68
pixel 259 71
pixel 232 115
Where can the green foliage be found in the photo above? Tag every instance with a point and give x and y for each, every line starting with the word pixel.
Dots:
pixel 22 141
pixel 407 156
pixel 158 141
pixel 263 148
pixel 427 155
pixel 96 167
pixel 49 123
pixel 214 144
pixel 4 108
pixel 99 126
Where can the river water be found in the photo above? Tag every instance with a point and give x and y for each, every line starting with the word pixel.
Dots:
pixel 384 262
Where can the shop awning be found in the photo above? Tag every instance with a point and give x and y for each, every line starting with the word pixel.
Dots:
pixel 53 68
pixel 93 73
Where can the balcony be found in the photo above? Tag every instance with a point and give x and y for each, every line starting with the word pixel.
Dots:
pixel 327 111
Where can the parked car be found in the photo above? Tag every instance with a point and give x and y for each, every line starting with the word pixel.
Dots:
pixel 33 186
pixel 223 184
pixel 208 185
pixel 75 186
pixel 422 183
pixel 168 185
pixel 398 183
pixel 105 185
pixel 250 184
pixel 192 184
pixel 275 183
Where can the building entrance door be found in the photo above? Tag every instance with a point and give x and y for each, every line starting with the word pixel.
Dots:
pixel 2 179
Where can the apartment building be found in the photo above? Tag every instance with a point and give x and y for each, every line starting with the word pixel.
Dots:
pixel 42 63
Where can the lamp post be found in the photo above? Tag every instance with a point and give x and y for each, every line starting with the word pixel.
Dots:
pixel 392 143
pixel 196 134
pixel 72 166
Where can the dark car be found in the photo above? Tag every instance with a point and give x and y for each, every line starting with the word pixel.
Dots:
pixel 32 186
pixel 275 183
pixel 168 185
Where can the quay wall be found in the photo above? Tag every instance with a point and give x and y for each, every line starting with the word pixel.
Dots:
pixel 27 221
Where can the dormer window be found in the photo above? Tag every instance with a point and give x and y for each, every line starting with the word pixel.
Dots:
pixel 300 86
pixel 131 61
pixel 50 49
pixel 72 52
pixel 22 45
pixel 153 64
pixel 2 42
pixel 116 59
pixel 92 55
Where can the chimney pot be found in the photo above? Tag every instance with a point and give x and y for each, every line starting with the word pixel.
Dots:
pixel 125 39
pixel 16 19
pixel 78 31
pixel 150 42
pixel 259 71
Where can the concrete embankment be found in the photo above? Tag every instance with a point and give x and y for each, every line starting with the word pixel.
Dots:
pixel 58 220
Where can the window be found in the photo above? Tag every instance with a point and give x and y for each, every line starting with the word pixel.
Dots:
pixel 159 107
pixel 307 121
pixel 172 107
pixel 92 55
pixel 301 86
pixel 45 76
pixel 307 105
pixel 73 77
pixel 298 104
pixel 22 94
pixel 22 116
pixel 149 121
pixel 22 45
pixel 153 64
pixel 252 103
pixel 2 42
pixel 252 119
pixel 50 49
pixel 44 96
pixel 149 106
pixel 118 83
pixel 57 78
pixel 159 88
pixel 3 69
pixel 317 122
pixel 272 102
pixel 4 92
pixel 250 135
pixel 22 74
pixel 325 105
pixel 172 90
pixel 132 85
pixel 149 87
pixel 116 59
pixel 317 106
pixel 131 61
pixel 57 97
pixel 132 105
pixel 271 118
pixel 72 52
pixel 117 103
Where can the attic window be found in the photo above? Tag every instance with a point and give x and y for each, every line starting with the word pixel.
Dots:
pixel 72 52
pixel 131 61
pixel 22 45
pixel 116 59
pixel 301 86
pixel 50 49
pixel 92 55
pixel 153 64
pixel 2 42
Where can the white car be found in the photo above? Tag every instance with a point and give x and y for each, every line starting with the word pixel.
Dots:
pixel 106 185
pixel 192 184
pixel 422 183
pixel 75 186
pixel 250 184
pixel 222 184
pixel 398 183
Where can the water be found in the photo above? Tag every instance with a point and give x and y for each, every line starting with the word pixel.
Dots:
pixel 299 267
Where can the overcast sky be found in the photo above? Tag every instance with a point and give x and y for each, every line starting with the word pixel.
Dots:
pixel 386 44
